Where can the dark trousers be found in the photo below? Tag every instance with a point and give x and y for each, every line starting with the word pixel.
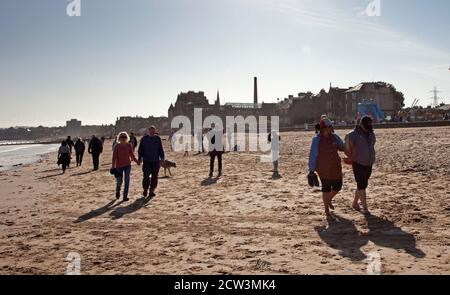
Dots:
pixel 150 168
pixel 95 160
pixel 362 175
pixel 79 157
pixel 213 156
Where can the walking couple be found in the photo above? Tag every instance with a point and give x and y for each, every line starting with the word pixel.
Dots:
pixel 150 153
pixel 324 159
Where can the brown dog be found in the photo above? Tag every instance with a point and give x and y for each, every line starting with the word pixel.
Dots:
pixel 166 164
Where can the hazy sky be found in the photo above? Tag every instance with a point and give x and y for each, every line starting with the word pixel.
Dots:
pixel 133 57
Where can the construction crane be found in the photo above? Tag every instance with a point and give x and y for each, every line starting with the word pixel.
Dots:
pixel 415 103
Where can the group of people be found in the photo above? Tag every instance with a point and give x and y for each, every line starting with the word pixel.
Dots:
pixel 324 159
pixel 150 152
pixel 95 148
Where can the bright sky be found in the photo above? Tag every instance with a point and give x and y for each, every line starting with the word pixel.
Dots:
pixel 133 57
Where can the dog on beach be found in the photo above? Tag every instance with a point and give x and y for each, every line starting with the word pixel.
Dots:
pixel 166 164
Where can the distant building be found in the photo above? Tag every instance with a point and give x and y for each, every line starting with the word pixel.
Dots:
pixel 73 127
pixel 187 101
pixel 385 95
pixel 340 104
pixel 98 130
pixel 336 104
pixel 139 125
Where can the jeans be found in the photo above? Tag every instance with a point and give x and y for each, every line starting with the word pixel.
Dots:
pixel 150 168
pixel 119 180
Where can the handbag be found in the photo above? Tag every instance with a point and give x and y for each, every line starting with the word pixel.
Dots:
pixel 115 172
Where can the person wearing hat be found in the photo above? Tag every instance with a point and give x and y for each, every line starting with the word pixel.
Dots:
pixel 360 148
pixel 324 159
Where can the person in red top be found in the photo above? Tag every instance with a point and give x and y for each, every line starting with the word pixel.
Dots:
pixel 324 159
pixel 121 161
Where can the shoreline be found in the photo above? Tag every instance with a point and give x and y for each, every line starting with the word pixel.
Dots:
pixel 26 159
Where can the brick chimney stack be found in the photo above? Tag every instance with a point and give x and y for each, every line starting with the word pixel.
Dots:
pixel 255 93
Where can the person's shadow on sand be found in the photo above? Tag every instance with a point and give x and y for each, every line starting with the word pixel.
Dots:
pixel 209 181
pixel 81 173
pixel 384 233
pixel 135 206
pixel 97 212
pixel 343 235
pixel 50 176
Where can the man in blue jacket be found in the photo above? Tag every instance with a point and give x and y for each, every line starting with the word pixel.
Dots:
pixel 151 152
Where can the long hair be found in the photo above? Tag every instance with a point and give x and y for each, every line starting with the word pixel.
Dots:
pixel 122 134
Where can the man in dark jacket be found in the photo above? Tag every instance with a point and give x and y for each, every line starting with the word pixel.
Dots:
pixel 151 152
pixel 216 149
pixel 79 151
pixel 95 149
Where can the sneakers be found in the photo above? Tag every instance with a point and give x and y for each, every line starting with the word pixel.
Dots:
pixel 117 195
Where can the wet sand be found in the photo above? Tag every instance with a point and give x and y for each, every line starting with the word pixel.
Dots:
pixel 242 223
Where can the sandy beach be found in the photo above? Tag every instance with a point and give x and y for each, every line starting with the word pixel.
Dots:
pixel 243 223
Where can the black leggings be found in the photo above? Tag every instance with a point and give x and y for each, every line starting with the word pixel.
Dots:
pixel 362 174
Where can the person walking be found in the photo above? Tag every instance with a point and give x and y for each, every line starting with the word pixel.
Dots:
pixel 360 148
pixel 274 139
pixel 215 149
pixel 324 159
pixel 172 140
pixel 64 156
pixel 151 152
pixel 70 143
pixel 95 149
pixel 230 139
pixel 114 142
pixel 121 161
pixel 133 141
pixel 80 147
pixel 199 138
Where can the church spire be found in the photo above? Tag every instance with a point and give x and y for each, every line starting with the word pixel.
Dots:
pixel 218 99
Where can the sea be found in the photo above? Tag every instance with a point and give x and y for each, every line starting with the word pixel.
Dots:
pixel 16 154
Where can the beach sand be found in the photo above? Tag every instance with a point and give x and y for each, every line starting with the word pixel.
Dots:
pixel 243 223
